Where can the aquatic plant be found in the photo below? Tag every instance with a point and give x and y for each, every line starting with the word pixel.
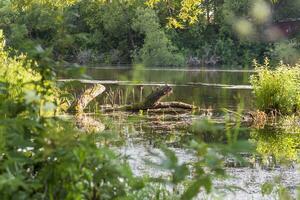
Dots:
pixel 277 90
pixel 275 189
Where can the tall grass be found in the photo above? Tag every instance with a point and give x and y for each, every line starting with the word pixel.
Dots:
pixel 277 90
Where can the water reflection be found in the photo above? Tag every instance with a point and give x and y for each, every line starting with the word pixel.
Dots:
pixel 203 88
pixel 138 132
pixel 279 144
pixel 274 145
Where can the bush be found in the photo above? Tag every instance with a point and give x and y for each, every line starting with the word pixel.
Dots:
pixel 277 90
pixel 47 158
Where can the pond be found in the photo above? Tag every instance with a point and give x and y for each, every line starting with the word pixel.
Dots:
pixel 218 93
pixel 206 88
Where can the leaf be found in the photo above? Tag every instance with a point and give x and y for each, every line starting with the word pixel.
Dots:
pixel 180 173
pixel 267 188
pixel 194 188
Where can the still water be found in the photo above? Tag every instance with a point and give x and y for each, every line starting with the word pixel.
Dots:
pixel 208 89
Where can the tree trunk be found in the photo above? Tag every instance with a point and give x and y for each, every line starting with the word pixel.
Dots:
pixel 86 97
pixel 153 102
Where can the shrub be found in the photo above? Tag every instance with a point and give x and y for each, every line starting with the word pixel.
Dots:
pixel 277 90
pixel 47 158
pixel 22 83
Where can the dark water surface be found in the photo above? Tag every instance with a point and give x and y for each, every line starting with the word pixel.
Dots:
pixel 209 89
pixel 206 88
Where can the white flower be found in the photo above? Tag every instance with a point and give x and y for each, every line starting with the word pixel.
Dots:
pixel 31 96
pixel 49 107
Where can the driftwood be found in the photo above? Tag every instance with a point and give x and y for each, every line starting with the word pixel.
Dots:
pixel 174 104
pixel 153 102
pixel 86 97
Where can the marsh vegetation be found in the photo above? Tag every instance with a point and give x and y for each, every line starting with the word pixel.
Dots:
pixel 149 99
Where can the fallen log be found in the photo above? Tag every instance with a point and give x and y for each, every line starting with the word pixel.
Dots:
pixel 153 102
pixel 86 97
pixel 155 97
pixel 174 104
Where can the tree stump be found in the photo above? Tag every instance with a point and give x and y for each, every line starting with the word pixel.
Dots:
pixel 153 102
pixel 86 97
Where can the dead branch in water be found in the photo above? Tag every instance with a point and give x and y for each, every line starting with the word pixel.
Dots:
pixel 153 102
pixel 174 104
pixel 86 97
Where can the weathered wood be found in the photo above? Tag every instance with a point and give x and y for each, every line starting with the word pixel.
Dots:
pixel 155 97
pixel 86 97
pixel 174 104
pixel 153 102
pixel 88 124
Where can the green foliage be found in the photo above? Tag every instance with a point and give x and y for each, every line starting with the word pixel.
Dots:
pixel 277 90
pixel 21 83
pixel 17 73
pixel 286 51
pixel 157 33
pixel 59 166
pixel 276 189
pixel 157 49
pixel 107 29
pixel 47 158
pixel 33 27
pixel 286 9
pixel 185 12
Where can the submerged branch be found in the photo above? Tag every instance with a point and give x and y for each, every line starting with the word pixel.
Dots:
pixel 153 102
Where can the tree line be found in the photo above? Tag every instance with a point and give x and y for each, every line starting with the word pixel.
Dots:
pixel 153 32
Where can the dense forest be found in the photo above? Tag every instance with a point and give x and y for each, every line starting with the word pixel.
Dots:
pixel 153 32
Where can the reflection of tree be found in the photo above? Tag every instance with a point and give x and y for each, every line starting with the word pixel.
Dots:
pixel 89 124
pixel 280 143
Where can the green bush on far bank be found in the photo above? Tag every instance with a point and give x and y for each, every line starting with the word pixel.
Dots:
pixel 277 90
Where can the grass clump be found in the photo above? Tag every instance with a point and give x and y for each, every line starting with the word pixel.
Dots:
pixel 277 90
